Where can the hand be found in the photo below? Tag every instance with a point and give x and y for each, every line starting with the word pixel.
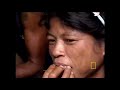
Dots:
pixel 55 71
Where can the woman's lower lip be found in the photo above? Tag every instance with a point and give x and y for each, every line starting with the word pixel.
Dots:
pixel 58 64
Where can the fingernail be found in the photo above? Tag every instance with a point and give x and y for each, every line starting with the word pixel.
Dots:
pixel 61 66
pixel 65 66
pixel 68 67
pixel 53 64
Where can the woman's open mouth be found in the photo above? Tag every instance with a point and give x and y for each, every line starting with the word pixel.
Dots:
pixel 62 65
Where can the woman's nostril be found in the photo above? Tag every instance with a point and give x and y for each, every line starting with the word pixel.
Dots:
pixel 57 56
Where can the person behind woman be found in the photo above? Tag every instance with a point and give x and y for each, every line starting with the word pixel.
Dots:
pixel 34 34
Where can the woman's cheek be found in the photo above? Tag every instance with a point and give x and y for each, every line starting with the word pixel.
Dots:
pixel 50 50
pixel 80 66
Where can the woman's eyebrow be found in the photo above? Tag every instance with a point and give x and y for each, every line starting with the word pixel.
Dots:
pixel 69 34
pixel 50 34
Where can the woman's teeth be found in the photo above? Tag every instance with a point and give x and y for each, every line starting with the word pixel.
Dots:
pixel 64 67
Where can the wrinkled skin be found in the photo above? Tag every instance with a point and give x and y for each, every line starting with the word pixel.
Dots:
pixel 69 47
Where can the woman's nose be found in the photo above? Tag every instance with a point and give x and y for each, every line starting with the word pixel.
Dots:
pixel 58 50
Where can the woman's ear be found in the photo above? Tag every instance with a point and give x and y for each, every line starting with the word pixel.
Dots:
pixel 103 48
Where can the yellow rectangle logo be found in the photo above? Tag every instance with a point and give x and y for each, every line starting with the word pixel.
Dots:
pixel 93 65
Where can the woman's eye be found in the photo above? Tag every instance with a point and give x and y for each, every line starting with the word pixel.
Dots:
pixel 51 41
pixel 70 40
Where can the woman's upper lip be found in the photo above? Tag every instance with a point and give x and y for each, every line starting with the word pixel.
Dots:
pixel 57 63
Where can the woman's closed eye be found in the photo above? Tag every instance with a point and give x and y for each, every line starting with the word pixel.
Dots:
pixel 70 41
pixel 51 41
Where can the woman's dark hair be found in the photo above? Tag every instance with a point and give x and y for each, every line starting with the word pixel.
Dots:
pixel 81 21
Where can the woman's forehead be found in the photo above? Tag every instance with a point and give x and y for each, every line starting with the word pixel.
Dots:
pixel 57 27
pixel 67 33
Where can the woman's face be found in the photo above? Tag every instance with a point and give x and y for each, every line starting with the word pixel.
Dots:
pixel 74 48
